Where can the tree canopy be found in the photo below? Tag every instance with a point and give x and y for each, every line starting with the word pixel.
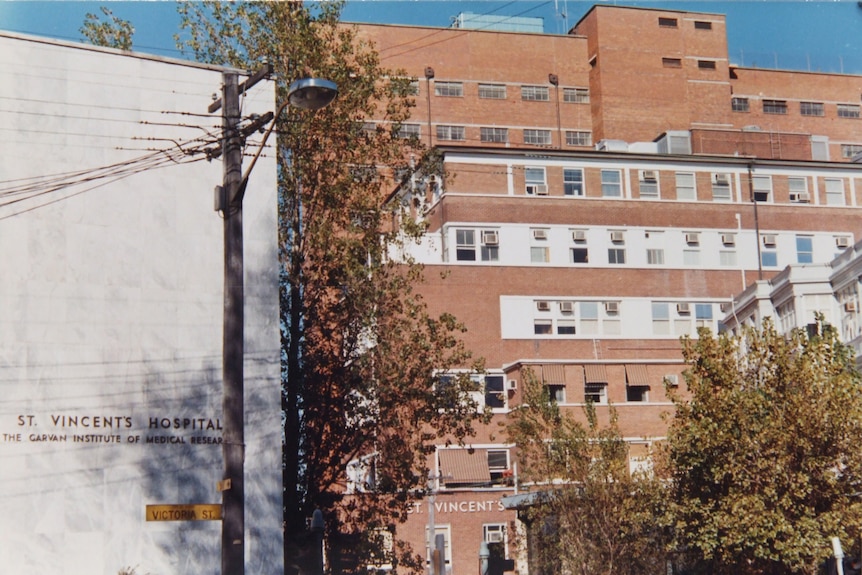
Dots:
pixel 764 453
pixel 360 349
pixel 112 32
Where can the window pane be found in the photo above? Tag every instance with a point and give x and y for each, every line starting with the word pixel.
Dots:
pixel 616 256
pixel 811 108
pixel 494 135
pixel 834 192
pixel 589 310
pixel 535 93
pixel 566 327
pixel 542 327
pixel 495 395
pixel 655 257
pixel 804 250
pixel 685 188
pixel 539 255
pixel 739 104
pixel 579 255
pixel 450 133
pixel 691 257
pixel 573 182
pixel 534 175
pixel 769 259
pixel 576 95
pixel 774 106
pixel 611 183
pixel 492 91
pixel 578 138
pixel 848 111
pixel 537 137
pixel 448 89
pixel 727 258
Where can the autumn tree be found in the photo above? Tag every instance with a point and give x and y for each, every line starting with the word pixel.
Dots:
pixel 111 32
pixel 764 452
pixel 360 349
pixel 589 515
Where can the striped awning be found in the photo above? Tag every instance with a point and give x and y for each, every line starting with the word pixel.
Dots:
pixel 636 374
pixel 461 466
pixel 595 373
pixel 554 374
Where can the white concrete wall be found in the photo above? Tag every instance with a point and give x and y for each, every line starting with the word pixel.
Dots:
pixel 111 313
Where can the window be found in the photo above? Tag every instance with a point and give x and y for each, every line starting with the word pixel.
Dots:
pixel 492 91
pixel 494 534
pixel 465 245
pixel 612 184
pixel 542 327
pixel 494 135
pixel 703 314
pixel 451 89
pixel 589 317
pixel 655 256
pixel 557 393
pixel 539 254
pixel 595 393
pixel 667 22
pixel 534 179
pixel 721 188
pixel 804 249
pixel 660 318
pixel 706 64
pixel 490 246
pixel 834 191
pixel 702 25
pixel 671 62
pixel 769 258
pixel 648 183
pixel 811 108
pixel 850 150
pixel 691 257
pixel 685 186
pixel 441 532
pixel 498 463
pixel 775 106
pixel 413 88
pixel 537 137
pixel 616 256
pixel 762 188
pixel 495 392
pixel 573 182
pixel 408 130
pixel 739 104
pixel 848 110
pixel 535 93
pixel 727 258
pixel 579 138
pixel 798 187
pixel 451 133
pixel 566 327
pixel 576 95
pixel 579 255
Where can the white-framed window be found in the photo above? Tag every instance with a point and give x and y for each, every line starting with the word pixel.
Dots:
pixel 543 326
pixel 576 95
pixel 850 150
pixel 579 255
pixel 451 133
pixel 494 135
pixel 769 258
pixel 721 191
pixel 534 181
pixel 540 254
pixel 655 256
pixel 648 184
pixel 727 258
pixel 596 393
pixel 848 111
pixel 579 138
pixel 811 108
pixel 573 182
pixel 691 257
pixel 495 392
pixel 738 104
pixel 804 249
pixel 495 534
pixel 616 256
pixel 762 188
pixel 490 250
pixel 409 130
pixel 703 314
pixel 685 186
pixel 449 89
pixel 660 318
pixel 834 191
pixel 798 187
pixel 536 137
pixel 774 106
pixel 442 538
pixel 492 91
pixel 566 327
pixel 535 93
pixel 465 245
pixel 612 183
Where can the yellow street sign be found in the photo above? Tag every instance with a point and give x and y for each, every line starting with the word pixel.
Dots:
pixel 194 512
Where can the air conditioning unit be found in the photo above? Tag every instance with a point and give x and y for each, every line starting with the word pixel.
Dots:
pixel 800 197
pixel 490 238
pixel 721 179
pixel 649 176
pixel 543 305
pixel 842 242
pixel 537 190
pixel 692 238
pixel 540 234
pixel 683 308
pixel 617 236
pixel 671 379
pixel 579 235
pixel 725 307
pixel 850 306
pixel 612 307
pixel 512 384
pixel 567 307
pixel 768 239
pixel 495 537
pixel 728 239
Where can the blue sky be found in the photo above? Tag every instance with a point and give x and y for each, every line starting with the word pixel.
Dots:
pixel 820 36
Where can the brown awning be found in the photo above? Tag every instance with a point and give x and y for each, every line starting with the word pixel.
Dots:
pixel 461 466
pixel 595 373
pixel 636 374
pixel 554 373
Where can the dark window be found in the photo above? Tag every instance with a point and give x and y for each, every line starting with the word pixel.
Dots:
pixel 739 104
pixel 616 256
pixel 667 22
pixel 775 106
pixel 495 393
pixel 671 62
pixel 706 64
pixel 811 108
pixel 580 256
pixel 702 25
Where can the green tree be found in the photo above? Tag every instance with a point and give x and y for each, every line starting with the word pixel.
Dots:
pixel 590 515
pixel 764 452
pixel 360 349
pixel 113 32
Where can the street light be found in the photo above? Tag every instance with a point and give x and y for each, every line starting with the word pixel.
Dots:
pixel 309 94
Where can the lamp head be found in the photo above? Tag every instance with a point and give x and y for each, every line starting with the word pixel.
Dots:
pixel 311 93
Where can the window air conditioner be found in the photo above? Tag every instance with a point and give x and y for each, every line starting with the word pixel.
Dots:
pixel 495 537
pixel 671 379
pixel 692 238
pixel 850 306
pixel 649 176
pixel 617 236
pixel 800 197
pixel 512 384
pixel 490 238
pixel 725 307
pixel 612 307
pixel 537 190
pixel 842 242
pixel 769 239
pixel 540 234
pixel 721 179
pixel 728 239
pixel 567 307
pixel 579 235
pixel 543 306
pixel 683 308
